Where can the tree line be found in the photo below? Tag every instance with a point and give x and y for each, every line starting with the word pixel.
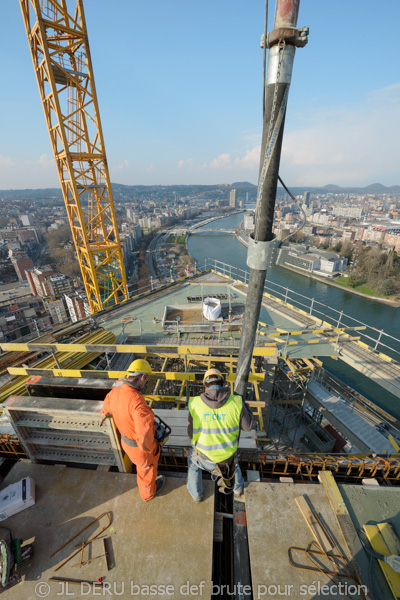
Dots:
pixel 372 267
pixel 61 252
pixel 377 269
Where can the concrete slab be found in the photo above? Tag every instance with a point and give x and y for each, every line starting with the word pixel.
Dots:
pixel 369 505
pixel 154 307
pixel 274 524
pixel 165 542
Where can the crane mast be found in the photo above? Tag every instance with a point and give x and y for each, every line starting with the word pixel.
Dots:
pixel 60 52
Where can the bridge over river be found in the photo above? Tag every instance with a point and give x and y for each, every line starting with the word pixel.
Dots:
pixel 227 231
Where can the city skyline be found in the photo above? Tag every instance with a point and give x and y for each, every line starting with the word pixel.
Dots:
pixel 179 90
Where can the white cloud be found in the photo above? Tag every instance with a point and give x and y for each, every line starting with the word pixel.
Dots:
pixel 16 173
pixel 44 161
pixel 250 160
pixel 350 146
pixel 150 168
pixel 389 94
pixel 186 164
pixel 122 166
pixel 189 164
pixel 242 166
pixel 222 162
pixel 6 161
pixel 345 145
pixel 253 137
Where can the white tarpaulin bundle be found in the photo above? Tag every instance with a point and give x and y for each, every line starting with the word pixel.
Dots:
pixel 211 308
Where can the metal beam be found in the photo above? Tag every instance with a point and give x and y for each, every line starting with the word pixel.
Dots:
pixel 169 375
pixel 213 351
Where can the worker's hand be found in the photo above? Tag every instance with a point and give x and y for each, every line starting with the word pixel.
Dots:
pixel 106 416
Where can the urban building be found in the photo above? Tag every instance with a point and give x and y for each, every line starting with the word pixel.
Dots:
pixel 392 239
pixel 355 212
pixel 23 318
pixel 249 221
pixel 77 305
pixel 27 220
pixel 314 260
pixel 8 273
pixel 21 263
pixel 56 309
pixel 232 199
pixel 39 280
pixel 281 233
pixel 60 285
pixel 348 235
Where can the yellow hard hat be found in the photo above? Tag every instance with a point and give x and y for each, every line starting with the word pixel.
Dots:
pixel 138 367
pixel 213 375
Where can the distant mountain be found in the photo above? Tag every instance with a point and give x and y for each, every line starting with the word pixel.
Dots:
pixel 378 188
pixel 126 192
pixel 239 184
pixel 331 188
pixel 373 188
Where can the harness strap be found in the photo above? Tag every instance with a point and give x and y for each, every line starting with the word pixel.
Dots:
pixel 224 477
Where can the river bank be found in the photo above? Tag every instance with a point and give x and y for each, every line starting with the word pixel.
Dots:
pixel 393 303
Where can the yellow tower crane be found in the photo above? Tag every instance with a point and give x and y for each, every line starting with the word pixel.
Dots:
pixel 61 57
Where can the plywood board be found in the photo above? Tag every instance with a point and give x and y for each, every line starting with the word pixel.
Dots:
pixel 274 524
pixel 314 525
pixel 152 542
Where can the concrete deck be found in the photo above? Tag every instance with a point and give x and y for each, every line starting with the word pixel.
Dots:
pixel 167 541
pixel 274 523
pixel 209 284
pixel 369 506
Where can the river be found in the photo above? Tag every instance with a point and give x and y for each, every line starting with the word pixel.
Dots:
pixel 229 250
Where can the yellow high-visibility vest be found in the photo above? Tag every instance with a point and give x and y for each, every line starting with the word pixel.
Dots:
pixel 216 430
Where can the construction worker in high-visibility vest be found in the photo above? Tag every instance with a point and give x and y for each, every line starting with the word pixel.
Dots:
pixel 214 423
pixel 134 420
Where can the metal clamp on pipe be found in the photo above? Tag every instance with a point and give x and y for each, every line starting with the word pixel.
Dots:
pixel 260 254
pixel 291 35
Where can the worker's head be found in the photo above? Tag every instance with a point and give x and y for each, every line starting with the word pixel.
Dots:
pixel 138 373
pixel 213 377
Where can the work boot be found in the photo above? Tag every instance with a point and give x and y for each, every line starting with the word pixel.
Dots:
pixel 160 482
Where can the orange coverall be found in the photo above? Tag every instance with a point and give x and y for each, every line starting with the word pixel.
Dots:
pixel 135 420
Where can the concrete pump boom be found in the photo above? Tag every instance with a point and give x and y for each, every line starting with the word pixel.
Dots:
pixel 282 42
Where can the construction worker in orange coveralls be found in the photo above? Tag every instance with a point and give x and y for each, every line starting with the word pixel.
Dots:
pixel 135 422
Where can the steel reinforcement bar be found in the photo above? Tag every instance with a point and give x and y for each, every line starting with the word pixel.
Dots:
pixel 301 467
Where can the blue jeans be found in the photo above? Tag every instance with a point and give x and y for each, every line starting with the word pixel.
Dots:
pixel 197 464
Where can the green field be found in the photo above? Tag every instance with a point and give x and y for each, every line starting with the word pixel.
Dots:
pixel 359 288
pixel 176 239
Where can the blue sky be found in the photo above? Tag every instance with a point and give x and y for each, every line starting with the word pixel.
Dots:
pixel 179 87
